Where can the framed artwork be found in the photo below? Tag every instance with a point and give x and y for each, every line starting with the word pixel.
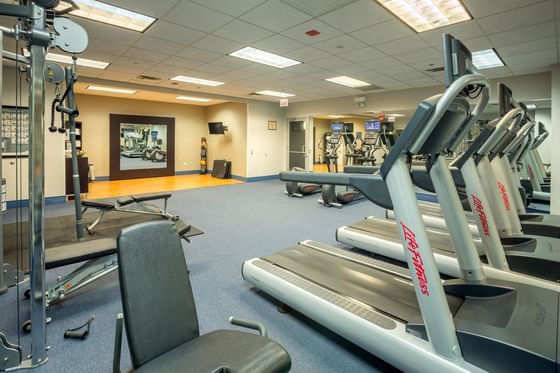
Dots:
pixel 272 125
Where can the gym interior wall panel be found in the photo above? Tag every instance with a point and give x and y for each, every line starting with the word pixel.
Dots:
pixel 54 143
pixel 266 148
pixel 543 115
pixel 190 126
pixel 554 129
pixel 231 146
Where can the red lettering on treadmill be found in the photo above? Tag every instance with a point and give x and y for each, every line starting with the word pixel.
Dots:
pixel 412 246
pixel 503 191
pixel 530 171
pixel 481 214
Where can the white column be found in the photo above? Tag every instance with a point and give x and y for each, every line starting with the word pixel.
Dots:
pixel 554 129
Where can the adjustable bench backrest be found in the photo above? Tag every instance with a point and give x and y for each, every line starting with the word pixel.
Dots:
pixel 156 293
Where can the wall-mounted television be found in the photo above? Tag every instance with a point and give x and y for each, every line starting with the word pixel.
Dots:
pixel 337 127
pixel 373 125
pixel 216 128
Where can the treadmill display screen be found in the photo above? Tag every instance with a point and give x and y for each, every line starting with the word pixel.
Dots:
pixel 373 125
pixel 337 127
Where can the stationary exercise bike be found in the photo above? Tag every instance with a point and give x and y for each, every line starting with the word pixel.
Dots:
pixel 336 195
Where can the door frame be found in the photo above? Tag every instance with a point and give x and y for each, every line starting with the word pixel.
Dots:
pixel 307 124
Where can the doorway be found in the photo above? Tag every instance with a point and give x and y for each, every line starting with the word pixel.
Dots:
pixel 297 149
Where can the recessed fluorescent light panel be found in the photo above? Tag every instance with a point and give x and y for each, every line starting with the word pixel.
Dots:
pixel 424 15
pixel 266 58
pixel 347 81
pixel 111 89
pixel 80 61
pixel 486 59
pixel 112 15
pixel 190 79
pixel 275 94
pixel 195 99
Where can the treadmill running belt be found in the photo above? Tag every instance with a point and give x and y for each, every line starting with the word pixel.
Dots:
pixel 387 293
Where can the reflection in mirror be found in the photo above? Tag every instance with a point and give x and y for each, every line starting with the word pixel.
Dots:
pixel 143 146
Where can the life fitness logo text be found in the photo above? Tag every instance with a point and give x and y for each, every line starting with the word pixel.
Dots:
pixel 481 214
pixel 412 246
pixel 503 192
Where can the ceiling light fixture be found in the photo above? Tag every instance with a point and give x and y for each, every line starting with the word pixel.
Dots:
pixel 63 58
pixel 110 14
pixel 424 15
pixel 347 81
pixel 275 94
pixel 486 59
pixel 195 99
pixel 190 79
pixel 111 89
pixel 266 58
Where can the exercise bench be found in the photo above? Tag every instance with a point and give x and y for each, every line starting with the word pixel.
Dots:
pixel 135 204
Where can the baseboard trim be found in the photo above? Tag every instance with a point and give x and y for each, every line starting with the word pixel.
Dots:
pixel 25 202
pixel 188 172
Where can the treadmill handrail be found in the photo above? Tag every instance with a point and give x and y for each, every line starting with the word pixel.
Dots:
pixel 500 131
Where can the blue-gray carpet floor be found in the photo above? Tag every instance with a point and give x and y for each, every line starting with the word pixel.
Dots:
pixel 240 222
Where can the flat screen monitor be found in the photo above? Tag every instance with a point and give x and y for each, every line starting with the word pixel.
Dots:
pixel 373 126
pixel 348 127
pixel 216 128
pixel 337 127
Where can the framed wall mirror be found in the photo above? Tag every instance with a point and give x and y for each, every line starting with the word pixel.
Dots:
pixel 141 146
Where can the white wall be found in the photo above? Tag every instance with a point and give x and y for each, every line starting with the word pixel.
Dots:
pixel 54 143
pixel 266 149
pixel 555 139
pixel 543 115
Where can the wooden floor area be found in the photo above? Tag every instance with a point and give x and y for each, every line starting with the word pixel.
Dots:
pixel 119 188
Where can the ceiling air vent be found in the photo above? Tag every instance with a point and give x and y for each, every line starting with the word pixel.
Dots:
pixel 435 69
pixel 147 77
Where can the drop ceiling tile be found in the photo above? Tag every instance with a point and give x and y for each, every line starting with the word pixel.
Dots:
pixel 427 54
pixel 463 30
pixel 172 32
pixel 544 58
pixel 400 85
pixel 303 68
pixel 497 72
pixel 370 76
pixel 331 61
pixel 196 16
pixel 278 44
pixel 231 62
pixel 407 44
pixel 363 54
pixel 380 63
pixel 158 45
pixel 182 62
pixel 540 31
pixel 523 70
pixel 275 16
pixel 307 54
pixel 112 34
pixel 157 73
pixel 233 8
pixel 148 7
pixel 106 47
pixel 326 32
pixel 383 32
pixel 356 15
pixel 396 70
pixel 242 32
pixel 527 47
pixel 483 8
pixel 522 17
pixel 216 44
pixel 235 75
pixel 339 45
pixel 422 82
pixel 145 54
pixel 198 54
pixel 257 68
pixel 477 44
pixel 349 70
pixel 134 63
pixel 168 69
pixel 212 68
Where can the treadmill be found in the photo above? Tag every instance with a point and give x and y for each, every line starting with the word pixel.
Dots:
pixel 410 318
pixel 534 256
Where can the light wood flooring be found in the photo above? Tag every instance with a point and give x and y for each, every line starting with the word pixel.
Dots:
pixel 119 188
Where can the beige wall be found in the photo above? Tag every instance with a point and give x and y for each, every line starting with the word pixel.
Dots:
pixel 266 153
pixel 233 145
pixel 321 127
pixel 190 126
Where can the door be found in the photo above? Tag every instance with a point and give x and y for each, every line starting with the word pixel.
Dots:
pixel 297 154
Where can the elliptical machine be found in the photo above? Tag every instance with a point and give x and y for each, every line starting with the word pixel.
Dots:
pixel 336 195
pixel 295 189
pixel 371 143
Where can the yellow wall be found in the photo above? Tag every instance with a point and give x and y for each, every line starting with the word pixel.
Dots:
pixel 233 145
pixel 321 127
pixel 190 126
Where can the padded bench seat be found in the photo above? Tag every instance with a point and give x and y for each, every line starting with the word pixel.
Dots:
pixel 100 205
pixel 237 351
pixel 76 252
pixel 123 201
